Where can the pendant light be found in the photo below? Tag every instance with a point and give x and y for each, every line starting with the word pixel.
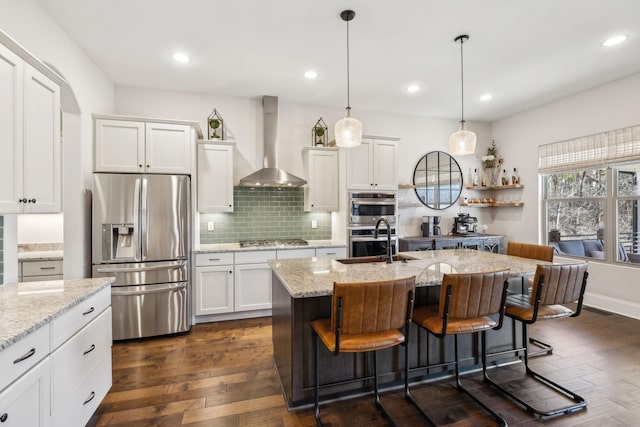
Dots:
pixel 348 131
pixel 463 141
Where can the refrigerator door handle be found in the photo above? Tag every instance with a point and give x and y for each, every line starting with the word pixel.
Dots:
pixel 144 214
pixel 136 218
pixel 175 266
pixel 154 290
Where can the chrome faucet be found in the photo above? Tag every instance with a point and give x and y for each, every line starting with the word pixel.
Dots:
pixel 389 255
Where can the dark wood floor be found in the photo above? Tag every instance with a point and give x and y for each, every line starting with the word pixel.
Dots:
pixel 222 374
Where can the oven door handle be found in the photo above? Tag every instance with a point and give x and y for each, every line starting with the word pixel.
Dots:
pixel 385 202
pixel 371 239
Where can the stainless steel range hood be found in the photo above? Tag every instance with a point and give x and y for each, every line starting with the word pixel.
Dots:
pixel 271 175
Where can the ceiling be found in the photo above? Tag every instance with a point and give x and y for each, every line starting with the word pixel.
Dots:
pixel 525 53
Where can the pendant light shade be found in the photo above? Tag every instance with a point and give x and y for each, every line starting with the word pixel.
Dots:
pixel 348 131
pixel 462 142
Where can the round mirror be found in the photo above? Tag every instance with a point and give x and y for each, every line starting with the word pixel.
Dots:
pixel 437 180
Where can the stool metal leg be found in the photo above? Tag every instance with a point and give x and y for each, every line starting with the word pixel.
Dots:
pixel 317 383
pixel 381 409
pixel 407 392
pixel 579 404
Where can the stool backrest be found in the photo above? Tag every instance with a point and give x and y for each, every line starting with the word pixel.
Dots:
pixel 529 250
pixel 562 283
pixel 369 307
pixel 473 295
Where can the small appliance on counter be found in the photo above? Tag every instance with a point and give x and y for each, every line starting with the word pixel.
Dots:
pixel 463 224
pixel 430 226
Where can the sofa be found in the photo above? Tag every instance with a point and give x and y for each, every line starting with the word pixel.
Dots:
pixel 592 248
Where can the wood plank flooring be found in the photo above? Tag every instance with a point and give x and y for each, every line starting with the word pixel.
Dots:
pixel 222 374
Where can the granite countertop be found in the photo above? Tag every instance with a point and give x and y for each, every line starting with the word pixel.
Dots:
pixel 235 247
pixel 40 252
pixel 311 277
pixel 25 307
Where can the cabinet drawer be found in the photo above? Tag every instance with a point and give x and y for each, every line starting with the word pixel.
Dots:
pixel 296 253
pixel 254 257
pixel 212 259
pixel 65 326
pixel 84 401
pixel 332 252
pixel 22 355
pixel 40 278
pixel 41 268
pixel 75 359
pixel 26 401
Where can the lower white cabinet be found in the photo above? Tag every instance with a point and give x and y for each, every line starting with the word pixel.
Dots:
pixel 26 402
pixel 236 282
pixel 36 271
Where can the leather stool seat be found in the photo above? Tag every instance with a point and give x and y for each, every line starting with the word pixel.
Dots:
pixel 356 343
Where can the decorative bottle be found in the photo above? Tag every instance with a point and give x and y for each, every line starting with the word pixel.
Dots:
pixel 504 179
pixel 515 177
pixel 485 178
pixel 476 179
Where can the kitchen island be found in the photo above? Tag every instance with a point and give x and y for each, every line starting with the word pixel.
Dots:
pixel 301 292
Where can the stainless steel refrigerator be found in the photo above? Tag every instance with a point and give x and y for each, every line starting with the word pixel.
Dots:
pixel 140 235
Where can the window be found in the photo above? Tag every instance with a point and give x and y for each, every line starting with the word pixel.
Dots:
pixel 590 198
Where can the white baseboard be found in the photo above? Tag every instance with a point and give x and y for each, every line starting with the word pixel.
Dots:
pixel 231 316
pixel 614 305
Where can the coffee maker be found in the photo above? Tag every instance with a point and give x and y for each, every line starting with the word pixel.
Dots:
pixel 430 226
pixel 463 224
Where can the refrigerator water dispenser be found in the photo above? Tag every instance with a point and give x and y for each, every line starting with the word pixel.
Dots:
pixel 118 242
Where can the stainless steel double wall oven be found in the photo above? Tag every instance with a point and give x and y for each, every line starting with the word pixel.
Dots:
pixel 365 209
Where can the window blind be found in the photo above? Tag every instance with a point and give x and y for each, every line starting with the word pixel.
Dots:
pixel 601 149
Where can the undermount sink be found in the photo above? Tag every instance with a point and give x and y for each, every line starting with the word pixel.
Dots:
pixel 369 259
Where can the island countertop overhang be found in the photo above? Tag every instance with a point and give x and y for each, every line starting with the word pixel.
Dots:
pixel 313 277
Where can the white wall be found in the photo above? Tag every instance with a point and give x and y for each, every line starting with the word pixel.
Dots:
pixel 604 108
pixel 27 23
pixel 419 135
pixel 43 228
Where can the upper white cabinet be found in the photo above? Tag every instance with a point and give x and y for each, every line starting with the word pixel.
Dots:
pixel 215 176
pixel 133 144
pixel 321 167
pixel 30 164
pixel 372 165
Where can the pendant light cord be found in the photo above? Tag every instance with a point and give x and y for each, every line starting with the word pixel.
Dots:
pixel 348 99
pixel 462 81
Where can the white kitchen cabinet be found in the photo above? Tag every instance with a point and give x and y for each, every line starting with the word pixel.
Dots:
pixel 337 252
pixel 296 253
pixel 321 191
pixel 40 270
pixel 373 165
pixel 30 165
pixel 140 145
pixel 215 176
pixel 214 283
pixel 253 280
pixel 26 402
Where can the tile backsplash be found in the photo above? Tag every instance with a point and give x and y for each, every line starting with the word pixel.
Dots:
pixel 265 213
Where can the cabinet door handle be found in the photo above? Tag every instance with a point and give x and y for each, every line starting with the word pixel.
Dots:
pixel 214 259
pixel 230 272
pixel 331 253
pixel 230 205
pixel 148 166
pixel 139 166
pixel 25 357
pixel 90 398
pixel 24 200
pixel 93 347
pixel 91 310
pixel 47 268
pixel 31 201
pixel 4 417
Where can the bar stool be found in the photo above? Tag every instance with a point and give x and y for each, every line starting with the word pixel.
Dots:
pixel 466 302
pixel 554 285
pixel 540 253
pixel 365 317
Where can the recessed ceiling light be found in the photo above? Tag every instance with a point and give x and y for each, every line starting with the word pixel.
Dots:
pixel 486 97
pixel 413 88
pixel 310 74
pixel 612 41
pixel 180 57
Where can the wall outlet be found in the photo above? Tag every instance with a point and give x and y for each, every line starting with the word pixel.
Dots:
pixel 314 223
pixel 210 226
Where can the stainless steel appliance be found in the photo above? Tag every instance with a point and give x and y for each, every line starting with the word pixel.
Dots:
pixel 365 210
pixel 368 208
pixel 430 226
pixel 463 224
pixel 140 234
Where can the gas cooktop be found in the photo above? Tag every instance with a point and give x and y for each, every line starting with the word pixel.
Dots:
pixel 273 242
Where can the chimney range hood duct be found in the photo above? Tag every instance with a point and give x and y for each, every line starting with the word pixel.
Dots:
pixel 271 175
